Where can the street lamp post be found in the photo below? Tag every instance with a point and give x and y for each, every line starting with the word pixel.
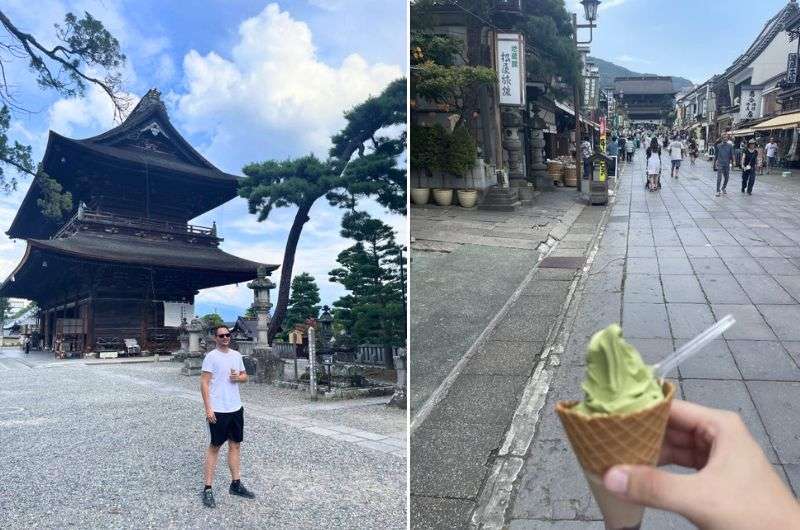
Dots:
pixel 590 12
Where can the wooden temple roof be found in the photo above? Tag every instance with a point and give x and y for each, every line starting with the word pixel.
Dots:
pixel 126 250
pixel 146 143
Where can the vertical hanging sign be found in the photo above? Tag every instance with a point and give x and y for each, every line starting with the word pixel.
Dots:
pixel 791 69
pixel 511 68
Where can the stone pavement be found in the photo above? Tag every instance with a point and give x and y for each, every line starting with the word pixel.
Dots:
pixel 121 446
pixel 669 264
pixel 484 307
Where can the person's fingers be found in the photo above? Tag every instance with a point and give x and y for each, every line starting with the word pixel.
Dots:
pixel 681 456
pixel 679 438
pixel 685 416
pixel 652 487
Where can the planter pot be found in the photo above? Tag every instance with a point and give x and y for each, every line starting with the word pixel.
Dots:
pixel 467 198
pixel 443 196
pixel 420 195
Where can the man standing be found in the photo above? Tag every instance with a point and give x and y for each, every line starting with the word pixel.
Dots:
pixel 722 161
pixel 586 153
pixel 772 154
pixel 676 155
pixel 222 370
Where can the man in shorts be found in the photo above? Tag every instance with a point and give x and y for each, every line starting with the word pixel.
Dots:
pixel 772 155
pixel 676 155
pixel 222 371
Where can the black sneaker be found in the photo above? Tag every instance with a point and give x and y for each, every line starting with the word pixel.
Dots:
pixel 208 499
pixel 241 491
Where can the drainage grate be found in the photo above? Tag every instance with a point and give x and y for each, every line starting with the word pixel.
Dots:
pixel 563 262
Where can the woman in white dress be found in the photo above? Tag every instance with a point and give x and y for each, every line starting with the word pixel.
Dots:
pixel 653 166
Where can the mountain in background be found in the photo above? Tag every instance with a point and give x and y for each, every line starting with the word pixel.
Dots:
pixel 609 70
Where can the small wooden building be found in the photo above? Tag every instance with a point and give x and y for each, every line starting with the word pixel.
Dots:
pixel 103 275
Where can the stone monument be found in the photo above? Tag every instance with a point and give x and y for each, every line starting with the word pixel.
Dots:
pixel 399 397
pixel 269 367
pixel 194 357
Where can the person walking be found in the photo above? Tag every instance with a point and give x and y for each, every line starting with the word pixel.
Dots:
pixel 653 166
pixel 748 163
pixel 772 155
pixel 692 151
pixel 676 150
pixel 629 149
pixel 621 145
pixel 737 151
pixel 222 370
pixel 722 162
pixel 760 159
pixel 586 153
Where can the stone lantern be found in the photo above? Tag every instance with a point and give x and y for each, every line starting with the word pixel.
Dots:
pixel 325 321
pixel 268 367
pixel 194 357
pixel 183 337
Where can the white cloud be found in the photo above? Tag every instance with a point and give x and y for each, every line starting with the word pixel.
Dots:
pixel 608 4
pixel 274 89
pixel 339 5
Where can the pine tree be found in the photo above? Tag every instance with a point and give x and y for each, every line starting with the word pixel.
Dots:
pixel 361 163
pixel 373 311
pixel 85 54
pixel 303 302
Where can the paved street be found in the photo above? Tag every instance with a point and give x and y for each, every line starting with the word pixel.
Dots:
pixel 669 264
pixel 665 265
pixel 121 446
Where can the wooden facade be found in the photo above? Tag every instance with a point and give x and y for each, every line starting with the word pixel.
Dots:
pixel 102 275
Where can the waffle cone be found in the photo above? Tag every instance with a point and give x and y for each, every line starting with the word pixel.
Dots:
pixel 600 442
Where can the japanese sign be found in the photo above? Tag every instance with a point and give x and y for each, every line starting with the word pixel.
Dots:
pixel 603 169
pixel 750 102
pixel 511 68
pixel 175 312
pixel 791 68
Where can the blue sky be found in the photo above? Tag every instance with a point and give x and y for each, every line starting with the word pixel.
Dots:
pixel 694 39
pixel 244 81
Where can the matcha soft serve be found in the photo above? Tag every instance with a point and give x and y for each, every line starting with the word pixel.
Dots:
pixel 617 379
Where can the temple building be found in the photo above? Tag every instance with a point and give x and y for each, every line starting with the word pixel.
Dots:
pixel 126 256
pixel 646 99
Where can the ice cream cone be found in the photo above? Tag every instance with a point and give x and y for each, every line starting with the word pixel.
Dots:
pixel 603 441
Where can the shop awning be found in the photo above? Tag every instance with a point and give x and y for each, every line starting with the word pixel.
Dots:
pixel 569 110
pixel 743 132
pixel 787 121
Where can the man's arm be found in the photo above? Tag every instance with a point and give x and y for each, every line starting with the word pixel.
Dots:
pixel 205 379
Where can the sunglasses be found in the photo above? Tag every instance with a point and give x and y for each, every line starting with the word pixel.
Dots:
pixel 224 335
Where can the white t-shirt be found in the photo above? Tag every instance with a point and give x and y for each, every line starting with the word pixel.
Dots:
pixel 676 150
pixel 224 394
pixel 654 164
pixel 772 149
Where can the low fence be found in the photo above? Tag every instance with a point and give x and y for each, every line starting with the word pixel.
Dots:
pixel 372 354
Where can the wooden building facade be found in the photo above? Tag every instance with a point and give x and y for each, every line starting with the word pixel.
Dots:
pixel 103 275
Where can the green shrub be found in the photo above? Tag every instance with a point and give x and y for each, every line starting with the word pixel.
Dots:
pixel 435 149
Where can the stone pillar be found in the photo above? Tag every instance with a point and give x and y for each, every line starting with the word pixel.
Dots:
pixel 513 145
pixel 194 357
pixel 269 367
pixel 312 363
pixel 183 337
pixel 399 398
pixel 537 171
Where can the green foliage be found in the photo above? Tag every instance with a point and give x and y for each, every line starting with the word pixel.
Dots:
pixel 85 53
pixel 436 149
pixel 342 179
pixel 54 204
pixel 251 312
pixel 373 310
pixel 211 320
pixel 14 154
pixel 547 28
pixel 303 302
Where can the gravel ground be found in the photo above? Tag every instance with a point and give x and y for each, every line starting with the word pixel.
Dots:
pixel 121 446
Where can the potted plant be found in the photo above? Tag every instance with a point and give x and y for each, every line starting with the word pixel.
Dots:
pixel 460 159
pixel 425 143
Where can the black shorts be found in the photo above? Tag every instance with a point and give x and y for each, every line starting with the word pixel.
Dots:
pixel 229 426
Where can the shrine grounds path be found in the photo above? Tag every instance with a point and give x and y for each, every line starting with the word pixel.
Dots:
pixel 665 265
pixel 121 446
